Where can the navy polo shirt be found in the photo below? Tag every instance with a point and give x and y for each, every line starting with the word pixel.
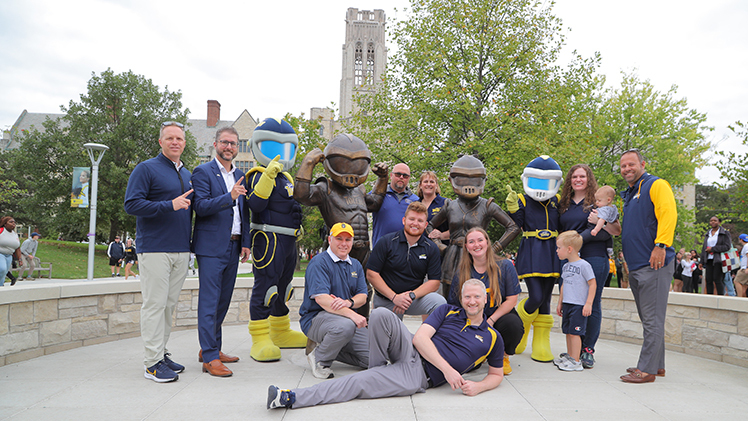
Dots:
pixel 402 267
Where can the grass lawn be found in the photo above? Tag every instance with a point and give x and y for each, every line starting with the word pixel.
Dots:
pixel 70 260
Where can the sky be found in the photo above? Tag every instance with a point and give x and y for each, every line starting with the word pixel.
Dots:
pixel 275 57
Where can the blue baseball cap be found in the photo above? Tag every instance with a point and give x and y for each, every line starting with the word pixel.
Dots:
pixel 744 237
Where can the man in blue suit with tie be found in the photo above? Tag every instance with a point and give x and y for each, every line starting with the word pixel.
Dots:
pixel 220 239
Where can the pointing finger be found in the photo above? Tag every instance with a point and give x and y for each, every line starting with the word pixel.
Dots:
pixel 187 193
pixel 240 181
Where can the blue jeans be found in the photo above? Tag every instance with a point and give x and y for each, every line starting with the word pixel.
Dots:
pixel 601 267
pixel 729 286
pixel 6 264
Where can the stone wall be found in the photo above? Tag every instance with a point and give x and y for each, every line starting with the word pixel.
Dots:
pixel 42 318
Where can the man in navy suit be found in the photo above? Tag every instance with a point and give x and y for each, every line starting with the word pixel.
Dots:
pixel 220 239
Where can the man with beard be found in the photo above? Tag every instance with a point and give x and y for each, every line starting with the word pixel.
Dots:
pixel 399 263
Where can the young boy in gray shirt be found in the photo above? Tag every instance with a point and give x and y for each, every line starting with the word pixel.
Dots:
pixel 574 300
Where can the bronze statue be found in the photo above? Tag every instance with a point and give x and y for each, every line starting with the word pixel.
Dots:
pixel 342 197
pixel 468 178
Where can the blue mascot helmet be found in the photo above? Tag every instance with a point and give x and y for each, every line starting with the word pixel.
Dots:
pixel 274 137
pixel 542 178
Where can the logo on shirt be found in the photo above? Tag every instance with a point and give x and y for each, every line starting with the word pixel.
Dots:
pixel 289 189
pixel 354 274
pixel 479 337
pixel 422 256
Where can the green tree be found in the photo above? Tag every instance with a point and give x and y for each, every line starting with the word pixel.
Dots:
pixel 123 111
pixel 733 167
pixel 479 77
pixel 9 191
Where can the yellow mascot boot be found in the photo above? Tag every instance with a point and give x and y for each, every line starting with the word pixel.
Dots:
pixel 263 348
pixel 283 336
pixel 541 338
pixel 527 320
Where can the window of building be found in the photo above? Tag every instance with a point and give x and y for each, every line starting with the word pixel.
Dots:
pixel 370 64
pixel 358 65
pixel 322 130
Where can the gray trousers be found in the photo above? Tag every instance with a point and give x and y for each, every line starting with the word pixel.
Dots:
pixel 389 340
pixel 651 288
pixel 423 305
pixel 339 339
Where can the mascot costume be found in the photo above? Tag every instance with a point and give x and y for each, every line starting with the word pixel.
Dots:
pixel 468 178
pixel 342 197
pixel 275 225
pixel 536 212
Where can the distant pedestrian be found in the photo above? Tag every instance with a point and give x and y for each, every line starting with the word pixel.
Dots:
pixel 131 258
pixel 716 241
pixel 116 253
pixel 9 245
pixel 28 253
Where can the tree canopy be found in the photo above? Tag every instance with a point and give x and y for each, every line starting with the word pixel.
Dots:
pixel 482 77
pixel 123 111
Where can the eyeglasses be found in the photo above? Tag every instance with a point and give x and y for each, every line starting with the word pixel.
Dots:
pixel 401 175
pixel 172 123
pixel 228 144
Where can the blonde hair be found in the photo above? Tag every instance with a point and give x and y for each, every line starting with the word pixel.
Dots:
pixel 570 238
pixel 425 174
pixel 606 191
pixel 493 272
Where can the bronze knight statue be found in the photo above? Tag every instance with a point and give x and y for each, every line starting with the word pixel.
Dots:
pixel 468 178
pixel 342 197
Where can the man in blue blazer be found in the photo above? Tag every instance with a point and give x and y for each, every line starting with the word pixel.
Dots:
pixel 220 239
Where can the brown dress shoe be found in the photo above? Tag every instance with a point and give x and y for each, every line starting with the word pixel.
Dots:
pixel 216 368
pixel 225 358
pixel 660 372
pixel 637 376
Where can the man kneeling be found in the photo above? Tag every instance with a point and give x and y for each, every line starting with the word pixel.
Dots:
pixel 450 342
pixel 334 287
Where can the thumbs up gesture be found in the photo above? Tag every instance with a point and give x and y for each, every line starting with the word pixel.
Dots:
pixel 512 200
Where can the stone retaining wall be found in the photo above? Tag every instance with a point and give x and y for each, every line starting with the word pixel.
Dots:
pixel 40 319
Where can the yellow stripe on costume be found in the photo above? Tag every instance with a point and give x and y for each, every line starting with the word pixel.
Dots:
pixel 540 275
pixel 267 242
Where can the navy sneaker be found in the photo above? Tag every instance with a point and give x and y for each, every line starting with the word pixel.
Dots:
pixel 587 358
pixel 278 398
pixel 160 373
pixel 175 367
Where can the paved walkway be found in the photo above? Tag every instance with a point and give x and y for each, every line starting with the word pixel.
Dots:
pixel 106 381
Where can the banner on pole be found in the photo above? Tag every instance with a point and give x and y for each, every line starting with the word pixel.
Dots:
pixel 79 195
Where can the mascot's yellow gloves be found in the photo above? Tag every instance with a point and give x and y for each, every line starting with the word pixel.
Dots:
pixel 266 183
pixel 512 200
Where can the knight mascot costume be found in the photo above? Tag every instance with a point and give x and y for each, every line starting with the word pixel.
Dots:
pixel 275 225
pixel 536 212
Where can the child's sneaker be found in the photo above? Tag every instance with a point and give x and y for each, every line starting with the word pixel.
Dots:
pixel 561 358
pixel 571 365
pixel 587 358
pixel 280 398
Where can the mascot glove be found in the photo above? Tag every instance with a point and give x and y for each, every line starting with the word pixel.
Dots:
pixel 512 200
pixel 266 183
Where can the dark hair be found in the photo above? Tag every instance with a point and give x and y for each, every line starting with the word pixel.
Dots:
pixel 637 152
pixel 589 195
pixel 229 129
pixel 4 220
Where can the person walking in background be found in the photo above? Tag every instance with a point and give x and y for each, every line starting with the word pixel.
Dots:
pixel 716 241
pixel 9 245
pixel 649 219
pixel 741 278
pixel 131 258
pixel 158 194
pixel 28 253
pixel 116 253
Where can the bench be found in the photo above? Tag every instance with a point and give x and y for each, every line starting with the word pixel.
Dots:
pixel 39 267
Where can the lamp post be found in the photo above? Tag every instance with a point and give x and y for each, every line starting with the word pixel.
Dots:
pixel 92 148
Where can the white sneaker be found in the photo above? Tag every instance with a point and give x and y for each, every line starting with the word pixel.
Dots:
pixel 318 370
pixel 571 365
pixel 561 358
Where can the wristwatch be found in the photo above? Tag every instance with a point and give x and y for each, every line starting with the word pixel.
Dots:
pixel 661 245
pixel 412 295
pixel 352 303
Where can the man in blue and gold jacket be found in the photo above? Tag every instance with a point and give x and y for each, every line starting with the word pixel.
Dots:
pixel 649 219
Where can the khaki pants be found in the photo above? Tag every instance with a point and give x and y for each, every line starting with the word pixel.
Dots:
pixel 26 262
pixel 161 278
